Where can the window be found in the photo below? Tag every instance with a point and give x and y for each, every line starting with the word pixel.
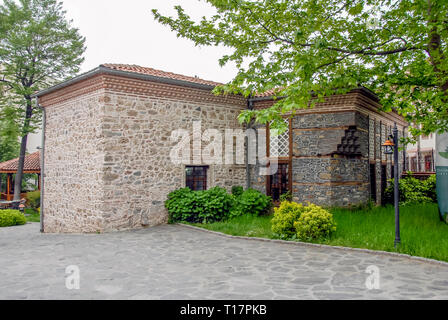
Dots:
pixel 279 144
pixel 196 177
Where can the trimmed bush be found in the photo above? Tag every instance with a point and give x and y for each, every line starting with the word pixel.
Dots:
pixel 237 191
pixel 9 218
pixel 33 199
pixel 284 218
pixel 181 205
pixel 314 223
pixel 208 206
pixel 213 205
pixel 413 191
pixel 252 202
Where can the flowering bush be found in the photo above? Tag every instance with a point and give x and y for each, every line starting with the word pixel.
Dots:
pixel 284 218
pixel 315 222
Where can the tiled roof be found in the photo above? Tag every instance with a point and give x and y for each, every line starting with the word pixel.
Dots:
pixel 32 163
pixel 268 93
pixel 159 73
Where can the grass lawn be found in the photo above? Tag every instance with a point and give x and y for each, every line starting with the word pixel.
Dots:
pixel 422 232
pixel 31 215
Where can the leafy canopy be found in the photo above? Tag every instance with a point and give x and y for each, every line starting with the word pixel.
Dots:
pixel 305 49
pixel 38 48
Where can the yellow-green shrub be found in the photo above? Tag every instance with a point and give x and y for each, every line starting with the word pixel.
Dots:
pixel 9 218
pixel 284 218
pixel 315 222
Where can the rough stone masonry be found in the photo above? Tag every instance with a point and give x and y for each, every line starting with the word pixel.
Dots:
pixel 107 147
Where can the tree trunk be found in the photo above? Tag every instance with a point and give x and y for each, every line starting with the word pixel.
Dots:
pixel 19 174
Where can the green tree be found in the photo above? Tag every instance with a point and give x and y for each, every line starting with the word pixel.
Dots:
pixel 306 50
pixel 38 47
pixel 9 134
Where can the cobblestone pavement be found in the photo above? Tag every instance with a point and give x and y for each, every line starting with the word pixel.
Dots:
pixel 175 262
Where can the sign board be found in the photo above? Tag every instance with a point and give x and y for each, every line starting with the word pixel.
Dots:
pixel 442 174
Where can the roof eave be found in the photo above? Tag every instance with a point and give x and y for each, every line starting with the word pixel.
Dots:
pixel 104 70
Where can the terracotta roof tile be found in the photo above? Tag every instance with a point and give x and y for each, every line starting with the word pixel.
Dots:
pixel 32 163
pixel 159 73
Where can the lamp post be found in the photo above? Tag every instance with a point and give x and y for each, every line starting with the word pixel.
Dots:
pixel 391 147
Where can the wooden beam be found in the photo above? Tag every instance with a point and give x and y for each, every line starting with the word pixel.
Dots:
pixel 8 187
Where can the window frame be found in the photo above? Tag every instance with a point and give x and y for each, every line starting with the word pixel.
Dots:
pixel 196 178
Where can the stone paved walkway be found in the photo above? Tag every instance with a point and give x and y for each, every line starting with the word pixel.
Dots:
pixel 175 262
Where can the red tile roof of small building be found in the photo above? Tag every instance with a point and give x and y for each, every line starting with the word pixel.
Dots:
pixel 32 164
pixel 171 75
pixel 159 73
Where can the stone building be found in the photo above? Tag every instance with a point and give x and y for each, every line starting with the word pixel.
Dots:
pixel 333 155
pixel 108 148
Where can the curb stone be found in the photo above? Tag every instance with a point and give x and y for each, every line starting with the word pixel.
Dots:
pixel 324 246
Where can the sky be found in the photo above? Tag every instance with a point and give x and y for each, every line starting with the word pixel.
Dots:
pixel 119 31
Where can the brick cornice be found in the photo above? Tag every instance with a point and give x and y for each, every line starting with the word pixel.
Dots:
pixel 139 87
pixel 353 101
pixel 130 86
pixel 78 89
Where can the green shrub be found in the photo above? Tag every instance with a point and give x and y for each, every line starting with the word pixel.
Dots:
pixel 207 206
pixel 237 191
pixel 430 185
pixel 213 205
pixel 252 202
pixel 181 205
pixel 286 196
pixel 284 218
pixel 314 223
pixel 413 191
pixel 9 218
pixel 33 199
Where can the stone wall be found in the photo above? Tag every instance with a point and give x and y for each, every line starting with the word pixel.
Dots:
pixel 108 144
pixel 321 174
pixel 74 157
pixel 139 173
pixel 108 163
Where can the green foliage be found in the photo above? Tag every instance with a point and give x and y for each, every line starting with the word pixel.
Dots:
pixel 252 202
pixel 422 232
pixel 181 205
pixel 284 218
pixel 237 191
pixel 9 218
pixel 413 191
pixel 286 196
pixel 38 48
pixel 306 50
pixel 314 223
pixel 33 199
pixel 207 206
pixel 9 132
pixel 430 186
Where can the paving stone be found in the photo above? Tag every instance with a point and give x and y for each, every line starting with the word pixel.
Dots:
pixel 175 262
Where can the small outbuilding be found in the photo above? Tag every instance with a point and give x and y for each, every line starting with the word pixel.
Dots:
pixel 109 137
pixel 9 168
